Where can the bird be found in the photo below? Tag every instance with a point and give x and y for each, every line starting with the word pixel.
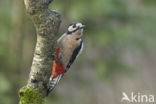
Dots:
pixel 68 48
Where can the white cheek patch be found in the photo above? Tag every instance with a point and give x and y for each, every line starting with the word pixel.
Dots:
pixel 78 24
pixel 70 28
pixel 73 29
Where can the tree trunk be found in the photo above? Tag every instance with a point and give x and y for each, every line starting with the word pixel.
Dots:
pixel 47 23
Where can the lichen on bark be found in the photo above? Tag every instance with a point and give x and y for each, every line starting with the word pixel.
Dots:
pixel 47 23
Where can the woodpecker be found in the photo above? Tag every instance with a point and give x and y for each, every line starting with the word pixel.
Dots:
pixel 68 48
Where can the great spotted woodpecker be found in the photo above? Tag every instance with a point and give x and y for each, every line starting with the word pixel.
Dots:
pixel 69 46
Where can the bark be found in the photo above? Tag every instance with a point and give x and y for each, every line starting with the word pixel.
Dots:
pixel 47 24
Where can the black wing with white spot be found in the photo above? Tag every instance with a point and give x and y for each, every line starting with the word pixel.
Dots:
pixel 76 52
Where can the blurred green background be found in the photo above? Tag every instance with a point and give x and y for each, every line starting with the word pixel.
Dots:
pixel 119 50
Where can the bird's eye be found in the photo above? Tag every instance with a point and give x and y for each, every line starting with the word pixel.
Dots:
pixel 74 26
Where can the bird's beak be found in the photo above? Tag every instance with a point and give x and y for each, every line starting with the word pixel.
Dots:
pixel 81 27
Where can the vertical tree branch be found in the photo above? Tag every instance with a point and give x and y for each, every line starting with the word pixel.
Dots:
pixel 47 24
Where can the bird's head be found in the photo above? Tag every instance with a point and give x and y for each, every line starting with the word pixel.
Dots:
pixel 76 28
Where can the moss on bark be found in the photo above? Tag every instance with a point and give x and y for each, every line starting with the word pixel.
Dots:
pixel 30 96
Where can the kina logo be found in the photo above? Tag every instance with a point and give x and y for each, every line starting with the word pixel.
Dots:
pixel 137 97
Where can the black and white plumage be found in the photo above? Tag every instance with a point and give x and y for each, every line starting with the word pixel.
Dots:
pixel 53 82
pixel 70 45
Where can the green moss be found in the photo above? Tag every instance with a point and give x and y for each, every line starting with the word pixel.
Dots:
pixel 30 96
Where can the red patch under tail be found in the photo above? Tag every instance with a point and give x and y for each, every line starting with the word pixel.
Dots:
pixel 57 66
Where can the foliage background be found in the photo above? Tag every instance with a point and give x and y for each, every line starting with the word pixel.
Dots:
pixel 119 50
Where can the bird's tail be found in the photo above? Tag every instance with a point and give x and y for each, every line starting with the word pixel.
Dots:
pixel 53 82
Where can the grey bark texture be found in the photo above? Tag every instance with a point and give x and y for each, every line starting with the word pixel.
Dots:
pixel 47 23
